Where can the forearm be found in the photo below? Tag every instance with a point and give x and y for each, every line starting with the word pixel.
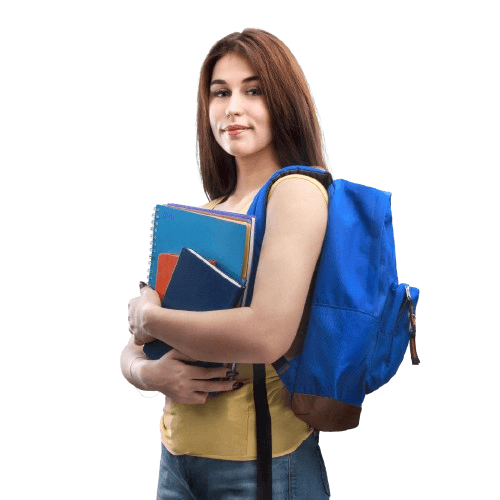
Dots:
pixel 225 336
pixel 132 362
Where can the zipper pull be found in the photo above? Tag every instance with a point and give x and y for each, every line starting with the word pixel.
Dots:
pixel 412 328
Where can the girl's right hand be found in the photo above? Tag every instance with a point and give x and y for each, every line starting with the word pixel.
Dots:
pixel 183 383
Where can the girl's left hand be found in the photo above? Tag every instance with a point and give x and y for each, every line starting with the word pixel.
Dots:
pixel 137 309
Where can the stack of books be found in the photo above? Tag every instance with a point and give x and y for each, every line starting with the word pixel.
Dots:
pixel 200 261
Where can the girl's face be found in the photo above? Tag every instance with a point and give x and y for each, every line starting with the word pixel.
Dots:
pixel 236 100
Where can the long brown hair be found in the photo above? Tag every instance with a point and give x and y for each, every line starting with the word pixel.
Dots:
pixel 297 137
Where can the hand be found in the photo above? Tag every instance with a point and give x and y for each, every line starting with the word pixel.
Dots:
pixel 137 310
pixel 183 383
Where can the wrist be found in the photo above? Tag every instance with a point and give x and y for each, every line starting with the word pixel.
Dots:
pixel 147 374
pixel 148 314
pixel 144 373
pixel 138 373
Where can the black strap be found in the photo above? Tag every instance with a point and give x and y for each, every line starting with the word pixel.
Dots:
pixel 264 436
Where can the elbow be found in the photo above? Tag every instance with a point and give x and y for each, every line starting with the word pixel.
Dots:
pixel 276 336
pixel 273 355
pixel 126 358
pixel 268 356
pixel 286 337
pixel 123 363
pixel 260 338
pixel 278 344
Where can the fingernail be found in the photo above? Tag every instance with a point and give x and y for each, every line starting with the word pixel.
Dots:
pixel 142 284
pixel 231 373
pixel 237 385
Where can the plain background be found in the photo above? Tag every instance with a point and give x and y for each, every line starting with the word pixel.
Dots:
pixel 97 126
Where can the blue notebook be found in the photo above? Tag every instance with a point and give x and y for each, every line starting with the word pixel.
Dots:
pixel 225 237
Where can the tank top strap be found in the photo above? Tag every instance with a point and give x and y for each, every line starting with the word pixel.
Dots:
pixel 300 176
pixel 212 204
pixel 245 210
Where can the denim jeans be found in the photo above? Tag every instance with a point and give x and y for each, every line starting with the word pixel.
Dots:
pixel 300 475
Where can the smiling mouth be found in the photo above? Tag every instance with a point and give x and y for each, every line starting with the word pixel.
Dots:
pixel 235 131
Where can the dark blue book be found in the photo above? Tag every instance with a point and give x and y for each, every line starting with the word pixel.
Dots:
pixel 196 285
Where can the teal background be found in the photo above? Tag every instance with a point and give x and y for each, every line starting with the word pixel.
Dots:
pixel 98 125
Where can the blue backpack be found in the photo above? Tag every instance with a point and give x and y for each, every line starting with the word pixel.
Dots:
pixel 358 319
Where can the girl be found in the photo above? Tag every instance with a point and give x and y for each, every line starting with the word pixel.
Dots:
pixel 255 116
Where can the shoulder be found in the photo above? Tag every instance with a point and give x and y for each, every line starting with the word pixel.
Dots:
pixel 297 212
pixel 300 181
pixel 297 207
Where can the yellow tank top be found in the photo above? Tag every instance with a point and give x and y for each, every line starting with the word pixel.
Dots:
pixel 224 427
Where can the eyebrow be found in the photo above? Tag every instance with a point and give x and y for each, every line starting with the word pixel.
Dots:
pixel 223 82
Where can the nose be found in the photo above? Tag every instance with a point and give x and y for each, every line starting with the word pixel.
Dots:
pixel 235 105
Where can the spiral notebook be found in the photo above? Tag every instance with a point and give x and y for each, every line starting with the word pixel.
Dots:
pixel 225 237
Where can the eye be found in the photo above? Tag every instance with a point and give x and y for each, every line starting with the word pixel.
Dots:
pixel 255 91
pixel 220 93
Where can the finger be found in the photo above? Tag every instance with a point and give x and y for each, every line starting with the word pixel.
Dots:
pixel 144 286
pixel 202 373
pixel 224 385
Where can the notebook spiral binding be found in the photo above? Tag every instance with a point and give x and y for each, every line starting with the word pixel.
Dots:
pixel 152 247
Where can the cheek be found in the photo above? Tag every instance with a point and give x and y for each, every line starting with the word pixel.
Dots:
pixel 212 116
pixel 265 120
pixel 266 123
pixel 215 124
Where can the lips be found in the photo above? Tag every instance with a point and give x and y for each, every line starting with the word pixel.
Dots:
pixel 236 131
pixel 235 127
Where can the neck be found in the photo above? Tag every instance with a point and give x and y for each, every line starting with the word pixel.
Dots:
pixel 253 172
